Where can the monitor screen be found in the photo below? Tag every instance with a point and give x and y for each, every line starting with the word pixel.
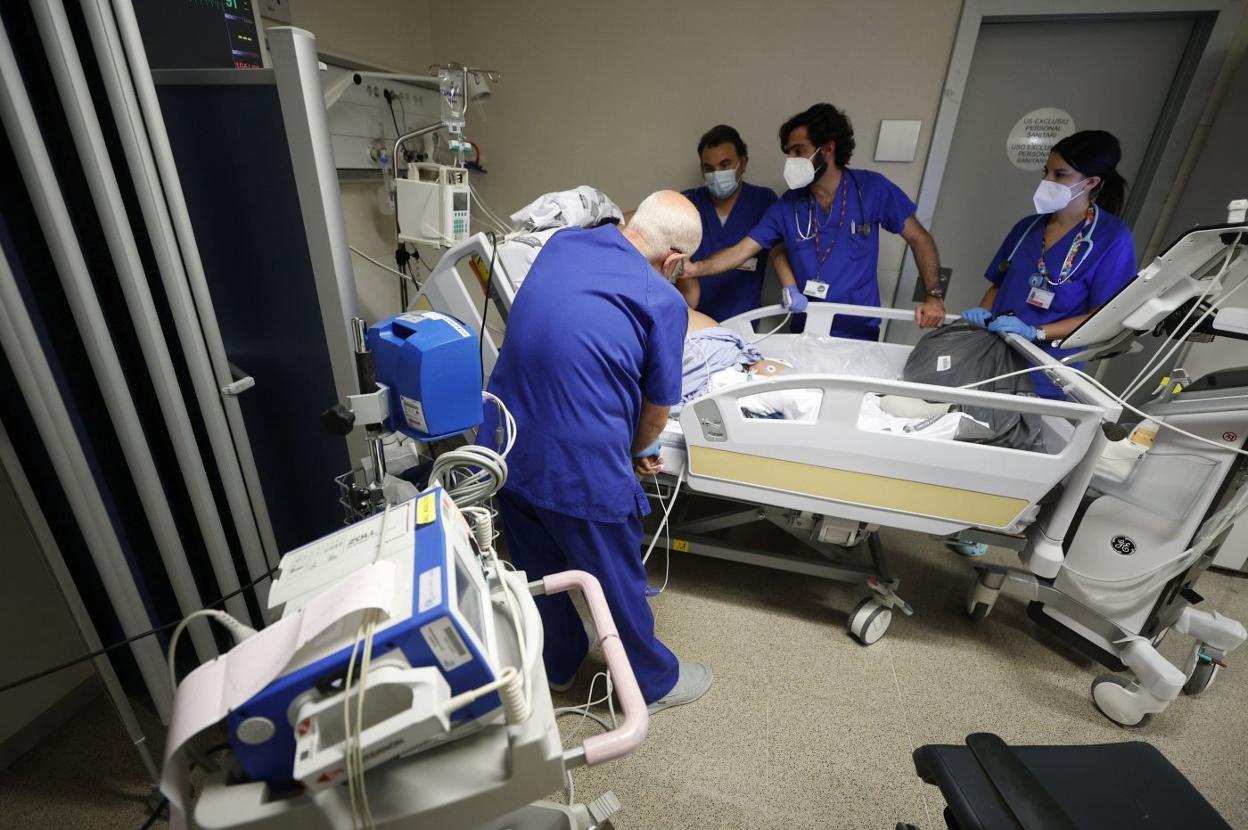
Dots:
pixel 200 34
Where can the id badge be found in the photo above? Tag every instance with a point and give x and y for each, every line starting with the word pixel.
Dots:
pixel 1040 297
pixel 817 289
pixel 750 264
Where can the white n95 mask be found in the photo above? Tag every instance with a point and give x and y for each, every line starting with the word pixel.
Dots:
pixel 721 183
pixel 799 172
pixel 1051 197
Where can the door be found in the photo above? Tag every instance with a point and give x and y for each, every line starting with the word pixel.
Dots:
pixel 1113 74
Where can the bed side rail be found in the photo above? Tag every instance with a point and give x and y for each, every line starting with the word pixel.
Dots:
pixel 834 459
pixel 820 317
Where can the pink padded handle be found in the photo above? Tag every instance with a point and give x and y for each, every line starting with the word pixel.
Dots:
pixel 632 729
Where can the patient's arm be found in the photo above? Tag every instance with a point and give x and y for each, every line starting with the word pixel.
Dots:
pixel 723 260
pixel 649 427
pixel 691 290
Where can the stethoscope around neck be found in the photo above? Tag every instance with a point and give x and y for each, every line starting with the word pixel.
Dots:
pixel 861 229
pixel 1008 261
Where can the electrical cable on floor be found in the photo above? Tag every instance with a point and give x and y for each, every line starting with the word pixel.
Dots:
pixel 122 643
pixel 583 709
pixel 155 815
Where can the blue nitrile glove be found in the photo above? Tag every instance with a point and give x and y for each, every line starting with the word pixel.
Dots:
pixel 793 300
pixel 1012 325
pixel 977 316
pixel 653 449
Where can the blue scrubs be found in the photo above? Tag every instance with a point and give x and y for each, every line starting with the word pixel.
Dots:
pixel 740 290
pixel 1110 264
pixel 850 268
pixel 595 331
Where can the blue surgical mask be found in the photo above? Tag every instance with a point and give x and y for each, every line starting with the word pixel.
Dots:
pixel 721 183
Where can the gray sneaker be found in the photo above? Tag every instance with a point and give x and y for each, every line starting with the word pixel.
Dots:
pixel 693 681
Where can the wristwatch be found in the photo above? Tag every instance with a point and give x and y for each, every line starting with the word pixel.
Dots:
pixel 936 293
pixel 1040 335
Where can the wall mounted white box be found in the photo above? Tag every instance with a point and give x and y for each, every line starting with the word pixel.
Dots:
pixel 898 140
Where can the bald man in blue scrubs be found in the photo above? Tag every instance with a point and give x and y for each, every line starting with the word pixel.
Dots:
pixel 829 223
pixel 729 208
pixel 592 364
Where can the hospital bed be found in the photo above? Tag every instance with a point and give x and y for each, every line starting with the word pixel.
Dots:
pixel 1107 559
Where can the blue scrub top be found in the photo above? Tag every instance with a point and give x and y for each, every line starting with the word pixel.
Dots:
pixel 1109 266
pixel 732 292
pixel 595 330
pixel 850 269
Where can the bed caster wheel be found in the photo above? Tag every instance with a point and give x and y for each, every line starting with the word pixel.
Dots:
pixel 1201 677
pixel 981 598
pixel 869 620
pixel 1120 700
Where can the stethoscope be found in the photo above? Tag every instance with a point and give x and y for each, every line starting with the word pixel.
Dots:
pixel 861 229
pixel 1061 279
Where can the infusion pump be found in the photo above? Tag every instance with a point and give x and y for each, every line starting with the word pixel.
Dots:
pixel 432 204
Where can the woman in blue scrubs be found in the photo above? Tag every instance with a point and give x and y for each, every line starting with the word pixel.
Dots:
pixel 729 208
pixel 1059 265
pixel 829 222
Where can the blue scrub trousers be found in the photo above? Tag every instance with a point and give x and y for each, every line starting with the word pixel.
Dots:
pixel 542 542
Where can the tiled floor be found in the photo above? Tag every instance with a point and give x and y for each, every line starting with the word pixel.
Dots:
pixel 804 728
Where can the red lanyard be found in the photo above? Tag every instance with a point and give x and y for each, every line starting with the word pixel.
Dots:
pixel 822 256
pixel 1064 274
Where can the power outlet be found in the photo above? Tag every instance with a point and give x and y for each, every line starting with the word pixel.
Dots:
pixel 278 10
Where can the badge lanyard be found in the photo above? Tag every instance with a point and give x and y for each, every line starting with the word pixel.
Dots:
pixel 822 256
pixel 1069 266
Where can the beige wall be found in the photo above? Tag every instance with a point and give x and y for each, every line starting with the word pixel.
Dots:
pixel 36 629
pixel 392 34
pixel 617 95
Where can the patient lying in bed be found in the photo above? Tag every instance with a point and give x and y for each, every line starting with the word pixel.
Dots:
pixel 717 358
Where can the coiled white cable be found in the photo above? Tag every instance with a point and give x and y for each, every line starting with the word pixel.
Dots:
pixel 482 521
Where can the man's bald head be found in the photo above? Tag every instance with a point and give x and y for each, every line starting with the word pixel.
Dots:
pixel 665 223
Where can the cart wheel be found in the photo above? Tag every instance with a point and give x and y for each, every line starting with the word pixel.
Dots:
pixel 1202 676
pixel 979 611
pixel 1118 700
pixel 869 620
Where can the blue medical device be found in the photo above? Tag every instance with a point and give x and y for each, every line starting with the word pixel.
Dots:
pixel 445 626
pixel 432 366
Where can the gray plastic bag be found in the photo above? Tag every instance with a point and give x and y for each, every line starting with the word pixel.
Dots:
pixel 961 353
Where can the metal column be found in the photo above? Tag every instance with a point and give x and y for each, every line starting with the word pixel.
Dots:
pixel 62 54
pixel 34 377
pixel 182 276
pixel 53 215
